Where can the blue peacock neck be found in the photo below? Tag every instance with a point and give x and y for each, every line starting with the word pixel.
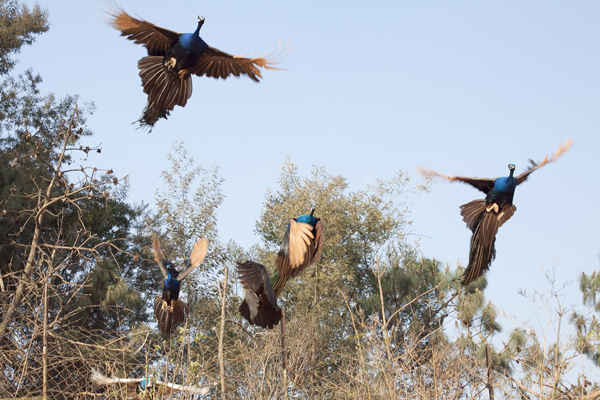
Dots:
pixel 171 283
pixel 192 41
pixel 307 219
pixel 506 184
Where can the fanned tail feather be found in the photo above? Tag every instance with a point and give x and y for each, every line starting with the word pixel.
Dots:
pixel 484 222
pixel 150 116
pixel 480 259
pixel 165 89
pixel 471 212
pixel 167 319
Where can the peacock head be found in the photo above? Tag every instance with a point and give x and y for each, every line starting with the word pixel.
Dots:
pixel 173 273
pixel 200 21
pixel 511 168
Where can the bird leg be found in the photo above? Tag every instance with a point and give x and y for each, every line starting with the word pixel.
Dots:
pixel 183 73
pixel 171 63
pixel 173 302
pixel 165 305
pixel 493 207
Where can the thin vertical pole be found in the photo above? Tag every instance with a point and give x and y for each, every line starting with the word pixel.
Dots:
pixel 284 354
pixel 488 360
pixel 45 343
pixel 221 357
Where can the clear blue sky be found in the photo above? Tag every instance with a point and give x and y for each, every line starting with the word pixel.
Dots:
pixel 371 88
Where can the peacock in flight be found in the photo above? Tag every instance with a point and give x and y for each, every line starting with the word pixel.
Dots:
pixel 484 216
pixel 302 246
pixel 169 311
pixel 145 388
pixel 172 60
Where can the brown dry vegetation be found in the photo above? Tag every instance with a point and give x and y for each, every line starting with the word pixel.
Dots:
pixel 375 319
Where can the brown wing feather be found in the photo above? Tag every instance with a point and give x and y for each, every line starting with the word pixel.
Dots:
pixel 260 305
pixel 156 39
pixel 159 257
pixel 534 166
pixel 301 247
pixel 196 257
pixel 483 184
pixel 319 236
pixel 217 64
pixel 506 214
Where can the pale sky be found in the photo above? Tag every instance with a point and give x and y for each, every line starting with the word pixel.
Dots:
pixel 370 88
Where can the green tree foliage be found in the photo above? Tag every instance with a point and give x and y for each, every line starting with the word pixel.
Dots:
pixel 18 26
pixel 186 212
pixel 366 249
pixel 359 226
pixel 588 326
pixel 64 251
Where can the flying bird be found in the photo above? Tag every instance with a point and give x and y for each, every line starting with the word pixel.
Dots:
pixel 144 388
pixel 302 246
pixel 172 60
pixel 484 216
pixel 169 311
pixel 260 305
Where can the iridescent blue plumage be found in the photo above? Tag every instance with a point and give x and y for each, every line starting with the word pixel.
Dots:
pixel 145 383
pixel 307 219
pixel 171 283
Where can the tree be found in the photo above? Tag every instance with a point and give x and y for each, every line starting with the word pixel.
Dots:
pixel 63 231
pixel 18 26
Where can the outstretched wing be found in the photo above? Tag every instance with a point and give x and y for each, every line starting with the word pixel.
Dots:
pixel 156 39
pixel 196 258
pixel 159 257
pixel 260 305
pixel 100 379
pixel 129 384
pixel 534 166
pixel 483 184
pixel 294 255
pixel 217 64
pixel 254 279
pixel 167 388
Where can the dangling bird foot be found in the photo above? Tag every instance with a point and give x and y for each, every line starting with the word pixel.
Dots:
pixel 183 73
pixel 171 63
pixel 493 207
